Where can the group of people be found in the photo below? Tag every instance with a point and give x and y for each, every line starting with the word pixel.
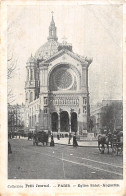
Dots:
pixel 75 144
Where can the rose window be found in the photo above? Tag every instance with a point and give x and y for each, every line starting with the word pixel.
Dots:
pixel 63 79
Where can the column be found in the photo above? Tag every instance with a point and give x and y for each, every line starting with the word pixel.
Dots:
pixel 69 122
pixel 50 121
pixel 78 124
pixel 33 74
pixel 29 74
pixel 59 123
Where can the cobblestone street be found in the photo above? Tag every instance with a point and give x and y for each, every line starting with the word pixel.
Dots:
pixel 61 162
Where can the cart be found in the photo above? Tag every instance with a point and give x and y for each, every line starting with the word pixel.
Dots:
pixel 117 144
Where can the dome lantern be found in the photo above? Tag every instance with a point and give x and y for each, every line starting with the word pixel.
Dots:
pixel 52 30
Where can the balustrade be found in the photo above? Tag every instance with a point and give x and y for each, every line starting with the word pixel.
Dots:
pixel 64 101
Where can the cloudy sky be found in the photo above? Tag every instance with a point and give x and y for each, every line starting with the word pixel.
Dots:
pixel 93 30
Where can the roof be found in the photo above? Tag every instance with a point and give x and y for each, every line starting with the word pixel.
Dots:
pixel 77 57
pixel 47 50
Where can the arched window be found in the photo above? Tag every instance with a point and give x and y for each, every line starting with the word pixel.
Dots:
pixel 45 100
pixel 84 109
pixel 28 74
pixel 31 74
pixel 31 96
pixel 84 101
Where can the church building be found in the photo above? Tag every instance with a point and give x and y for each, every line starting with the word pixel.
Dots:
pixel 56 88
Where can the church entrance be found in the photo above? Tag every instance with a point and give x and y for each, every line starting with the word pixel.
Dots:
pixel 74 122
pixel 54 122
pixel 64 121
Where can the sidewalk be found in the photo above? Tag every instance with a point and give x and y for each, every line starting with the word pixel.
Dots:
pixel 64 141
pixel 82 143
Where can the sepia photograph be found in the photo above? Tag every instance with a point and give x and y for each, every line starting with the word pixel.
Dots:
pixel 65 92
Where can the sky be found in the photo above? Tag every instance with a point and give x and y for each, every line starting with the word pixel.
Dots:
pixel 94 31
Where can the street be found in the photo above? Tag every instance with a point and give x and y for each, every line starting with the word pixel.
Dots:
pixel 61 162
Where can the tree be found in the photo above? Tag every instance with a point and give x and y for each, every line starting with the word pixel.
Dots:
pixel 11 67
pixel 11 63
pixel 110 115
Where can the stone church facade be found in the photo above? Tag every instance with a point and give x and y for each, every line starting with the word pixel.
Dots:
pixel 56 88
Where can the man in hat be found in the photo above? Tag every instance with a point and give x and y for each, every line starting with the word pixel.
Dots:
pixel 75 144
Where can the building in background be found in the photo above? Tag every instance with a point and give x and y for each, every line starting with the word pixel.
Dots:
pixel 56 88
pixel 16 117
pixel 98 115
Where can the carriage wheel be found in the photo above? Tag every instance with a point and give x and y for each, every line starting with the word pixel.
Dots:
pixel 115 150
pixel 101 148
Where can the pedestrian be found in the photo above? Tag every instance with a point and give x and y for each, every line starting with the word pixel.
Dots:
pixel 75 144
pixel 52 140
pixel 57 136
pixel 69 138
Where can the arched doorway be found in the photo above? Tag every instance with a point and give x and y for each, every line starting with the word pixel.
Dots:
pixel 54 122
pixel 64 121
pixel 74 122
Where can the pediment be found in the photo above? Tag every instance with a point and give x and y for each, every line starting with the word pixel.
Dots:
pixel 62 54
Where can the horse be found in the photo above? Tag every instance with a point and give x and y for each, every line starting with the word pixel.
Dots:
pixel 104 140
pixel 40 136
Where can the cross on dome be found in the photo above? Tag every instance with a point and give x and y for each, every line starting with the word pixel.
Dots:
pixel 52 22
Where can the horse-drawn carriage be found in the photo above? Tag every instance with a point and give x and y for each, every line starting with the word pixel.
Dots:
pixel 117 145
pixel 40 137
pixel 111 140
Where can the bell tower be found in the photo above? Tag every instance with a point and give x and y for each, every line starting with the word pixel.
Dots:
pixel 52 30
pixel 32 81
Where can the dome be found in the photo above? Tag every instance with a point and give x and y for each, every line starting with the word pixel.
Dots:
pixel 31 59
pixel 47 50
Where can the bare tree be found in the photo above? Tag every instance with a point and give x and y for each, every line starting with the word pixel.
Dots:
pixel 11 63
pixel 11 67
